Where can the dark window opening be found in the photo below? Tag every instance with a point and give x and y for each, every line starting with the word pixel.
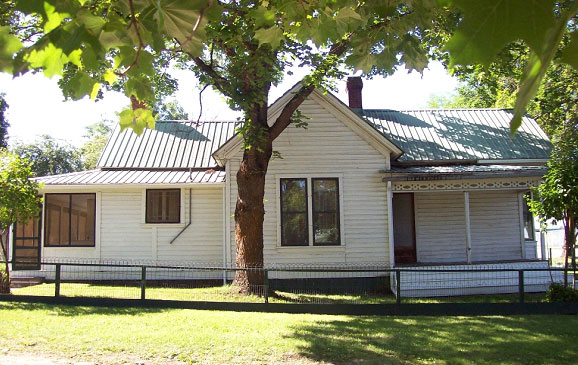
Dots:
pixel 163 206
pixel 70 220
pixel 325 212
pixel 528 219
pixel 294 224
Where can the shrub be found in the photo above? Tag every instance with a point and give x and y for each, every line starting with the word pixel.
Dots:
pixel 4 281
pixel 561 293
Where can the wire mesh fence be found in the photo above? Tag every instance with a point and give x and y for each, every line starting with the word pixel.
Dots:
pixel 371 283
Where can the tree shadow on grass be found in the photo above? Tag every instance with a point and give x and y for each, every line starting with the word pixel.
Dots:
pixel 75 310
pixel 454 340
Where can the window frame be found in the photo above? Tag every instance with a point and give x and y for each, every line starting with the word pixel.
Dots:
pixel 46 225
pixel 310 231
pixel 146 206
pixel 526 208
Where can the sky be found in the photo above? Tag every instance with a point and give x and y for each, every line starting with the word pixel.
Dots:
pixel 37 106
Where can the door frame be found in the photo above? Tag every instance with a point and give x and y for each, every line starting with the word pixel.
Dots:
pixel 413 248
pixel 15 266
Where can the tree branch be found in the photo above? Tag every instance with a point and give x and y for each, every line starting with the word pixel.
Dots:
pixel 218 80
pixel 134 24
pixel 284 119
pixel 336 50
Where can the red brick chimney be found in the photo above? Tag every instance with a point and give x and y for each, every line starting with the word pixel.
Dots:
pixel 354 86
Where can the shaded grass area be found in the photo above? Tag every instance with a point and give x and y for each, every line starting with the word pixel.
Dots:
pixel 230 294
pixel 223 337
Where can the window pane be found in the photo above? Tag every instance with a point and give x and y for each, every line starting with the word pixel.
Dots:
pixel 82 219
pixel 325 228
pixel 163 206
pixel 294 225
pixel 57 219
pixel 528 220
pixel 325 196
pixel 326 212
pixel 294 229
pixel 294 195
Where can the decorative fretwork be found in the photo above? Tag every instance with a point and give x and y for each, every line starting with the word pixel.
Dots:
pixel 451 185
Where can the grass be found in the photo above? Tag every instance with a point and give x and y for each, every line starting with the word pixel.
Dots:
pixel 192 336
pixel 228 294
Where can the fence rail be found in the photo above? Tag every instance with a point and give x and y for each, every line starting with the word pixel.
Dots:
pixel 357 287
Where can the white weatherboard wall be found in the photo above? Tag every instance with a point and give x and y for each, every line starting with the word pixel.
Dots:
pixel 126 236
pixel 123 235
pixel 441 227
pixel 327 148
pixel 495 226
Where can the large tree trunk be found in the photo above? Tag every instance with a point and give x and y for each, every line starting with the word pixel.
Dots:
pixel 250 210
pixel 5 276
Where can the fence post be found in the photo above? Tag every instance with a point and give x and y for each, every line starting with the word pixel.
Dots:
pixel 550 257
pixel 398 286
pixel 266 285
pixel 57 281
pixel 521 285
pixel 143 282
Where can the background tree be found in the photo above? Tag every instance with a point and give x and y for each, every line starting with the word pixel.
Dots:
pixel 242 48
pixel 3 121
pixel 97 135
pixel 49 157
pixel 170 110
pixel 557 197
pixel 18 202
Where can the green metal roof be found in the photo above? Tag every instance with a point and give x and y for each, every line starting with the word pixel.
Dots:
pixel 458 134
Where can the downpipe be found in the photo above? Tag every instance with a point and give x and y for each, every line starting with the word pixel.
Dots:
pixel 190 217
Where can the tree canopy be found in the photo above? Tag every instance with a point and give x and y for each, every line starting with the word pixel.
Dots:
pixel 3 121
pixel 47 156
pixel 18 201
pixel 97 135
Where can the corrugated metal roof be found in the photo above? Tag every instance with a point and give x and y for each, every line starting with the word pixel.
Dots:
pixel 459 134
pixel 124 177
pixel 460 169
pixel 172 144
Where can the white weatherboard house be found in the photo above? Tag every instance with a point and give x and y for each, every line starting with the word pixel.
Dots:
pixel 420 187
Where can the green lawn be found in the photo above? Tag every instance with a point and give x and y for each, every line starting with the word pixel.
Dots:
pixel 192 336
pixel 228 294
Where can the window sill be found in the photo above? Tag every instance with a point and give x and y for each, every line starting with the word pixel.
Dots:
pixel 69 246
pixel 160 225
pixel 335 248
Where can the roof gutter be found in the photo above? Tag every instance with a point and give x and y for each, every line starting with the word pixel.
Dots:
pixel 389 176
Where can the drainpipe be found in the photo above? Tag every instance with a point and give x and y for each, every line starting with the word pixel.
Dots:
pixel 190 217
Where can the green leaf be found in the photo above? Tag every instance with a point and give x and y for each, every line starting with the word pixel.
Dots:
pixel 82 85
pixel 53 17
pixel 137 120
pixel 95 88
pixel 139 87
pixel 570 53
pixel 489 25
pixel 262 16
pixel 9 45
pixel 347 20
pixel 362 61
pixel 50 59
pixel 92 23
pixel 272 36
pixel 110 77
pixel 179 18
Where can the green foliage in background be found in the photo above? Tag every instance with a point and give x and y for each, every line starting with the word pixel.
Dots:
pixel 19 201
pixel 48 156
